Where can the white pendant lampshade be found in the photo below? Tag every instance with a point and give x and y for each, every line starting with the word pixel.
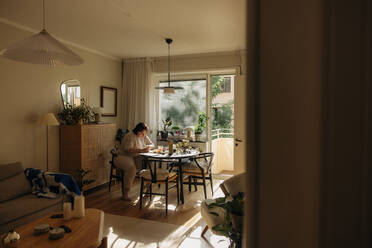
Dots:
pixel 42 49
pixel 169 90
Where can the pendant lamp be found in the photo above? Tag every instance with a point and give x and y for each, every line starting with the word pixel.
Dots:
pixel 42 49
pixel 169 89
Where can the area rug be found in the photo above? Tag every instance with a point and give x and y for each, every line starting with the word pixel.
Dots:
pixel 131 232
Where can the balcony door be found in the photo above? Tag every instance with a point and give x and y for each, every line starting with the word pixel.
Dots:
pixel 222 121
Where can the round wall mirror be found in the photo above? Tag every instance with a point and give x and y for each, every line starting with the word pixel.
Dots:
pixel 70 92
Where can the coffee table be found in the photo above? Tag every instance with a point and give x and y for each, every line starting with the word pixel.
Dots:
pixel 85 232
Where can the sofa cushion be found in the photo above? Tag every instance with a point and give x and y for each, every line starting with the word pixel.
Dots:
pixel 235 184
pixel 9 170
pixel 23 206
pixel 13 187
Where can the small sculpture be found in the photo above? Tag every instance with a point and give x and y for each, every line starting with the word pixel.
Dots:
pixel 11 239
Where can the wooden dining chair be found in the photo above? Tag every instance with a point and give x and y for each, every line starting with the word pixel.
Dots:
pixel 154 175
pixel 119 173
pixel 199 168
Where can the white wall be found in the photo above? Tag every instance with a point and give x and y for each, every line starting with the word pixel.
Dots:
pixel 27 91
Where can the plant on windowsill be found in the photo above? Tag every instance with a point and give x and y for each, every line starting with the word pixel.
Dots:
pixel 232 225
pixel 73 115
pixel 201 125
pixel 166 124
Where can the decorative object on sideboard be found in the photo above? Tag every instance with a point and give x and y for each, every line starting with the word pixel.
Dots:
pixel 109 100
pixel 97 114
pixel 43 49
pixel 73 115
pixel 70 92
pixel 48 120
pixel 169 89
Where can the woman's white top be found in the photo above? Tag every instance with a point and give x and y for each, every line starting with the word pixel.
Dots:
pixel 132 141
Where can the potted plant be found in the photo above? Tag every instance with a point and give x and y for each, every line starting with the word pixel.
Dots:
pixel 166 124
pixel 201 125
pixel 177 133
pixel 81 179
pixel 73 115
pixel 232 225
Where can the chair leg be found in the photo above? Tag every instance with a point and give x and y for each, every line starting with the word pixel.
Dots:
pixel 204 187
pixel 110 178
pixel 189 183
pixel 141 192
pixel 204 231
pixel 178 190
pixel 122 182
pixel 195 181
pixel 166 196
pixel 211 180
pixel 150 191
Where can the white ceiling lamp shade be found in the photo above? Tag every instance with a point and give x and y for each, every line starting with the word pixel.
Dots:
pixel 169 89
pixel 42 49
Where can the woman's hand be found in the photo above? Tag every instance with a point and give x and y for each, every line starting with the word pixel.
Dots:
pixel 147 149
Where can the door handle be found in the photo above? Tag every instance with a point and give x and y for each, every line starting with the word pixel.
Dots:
pixel 237 141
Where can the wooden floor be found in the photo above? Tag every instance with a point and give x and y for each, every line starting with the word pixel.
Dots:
pixel 155 209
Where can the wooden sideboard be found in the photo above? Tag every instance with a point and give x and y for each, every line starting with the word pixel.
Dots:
pixel 87 147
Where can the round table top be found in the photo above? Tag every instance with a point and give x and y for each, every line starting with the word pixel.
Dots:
pixel 175 155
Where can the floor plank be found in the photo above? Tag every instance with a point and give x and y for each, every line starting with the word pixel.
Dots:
pixel 181 214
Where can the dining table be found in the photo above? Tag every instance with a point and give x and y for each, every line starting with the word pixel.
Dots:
pixel 176 157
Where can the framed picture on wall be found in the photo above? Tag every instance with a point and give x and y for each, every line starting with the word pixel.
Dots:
pixel 109 101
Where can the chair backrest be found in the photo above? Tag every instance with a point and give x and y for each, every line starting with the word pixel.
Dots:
pixel 234 184
pixel 206 158
pixel 119 136
pixel 114 153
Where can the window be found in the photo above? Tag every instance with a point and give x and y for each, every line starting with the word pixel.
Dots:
pixel 184 106
pixel 226 85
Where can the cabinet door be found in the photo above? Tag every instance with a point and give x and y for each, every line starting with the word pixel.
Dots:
pixel 98 140
pixel 107 143
pixel 91 146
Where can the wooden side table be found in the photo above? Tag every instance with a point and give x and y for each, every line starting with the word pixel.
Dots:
pixel 85 232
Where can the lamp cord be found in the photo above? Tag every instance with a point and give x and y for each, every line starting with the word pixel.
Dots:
pixel 43 14
pixel 168 64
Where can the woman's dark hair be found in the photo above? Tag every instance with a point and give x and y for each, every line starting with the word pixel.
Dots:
pixel 140 127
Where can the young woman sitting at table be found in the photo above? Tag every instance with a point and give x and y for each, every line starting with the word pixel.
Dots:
pixel 133 143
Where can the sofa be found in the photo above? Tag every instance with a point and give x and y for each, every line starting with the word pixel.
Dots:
pixel 18 205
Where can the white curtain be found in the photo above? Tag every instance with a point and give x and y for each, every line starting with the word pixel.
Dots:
pixel 138 96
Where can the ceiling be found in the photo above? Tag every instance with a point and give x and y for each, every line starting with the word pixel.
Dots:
pixel 136 28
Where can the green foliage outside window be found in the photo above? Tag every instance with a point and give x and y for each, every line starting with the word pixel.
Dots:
pixel 184 106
